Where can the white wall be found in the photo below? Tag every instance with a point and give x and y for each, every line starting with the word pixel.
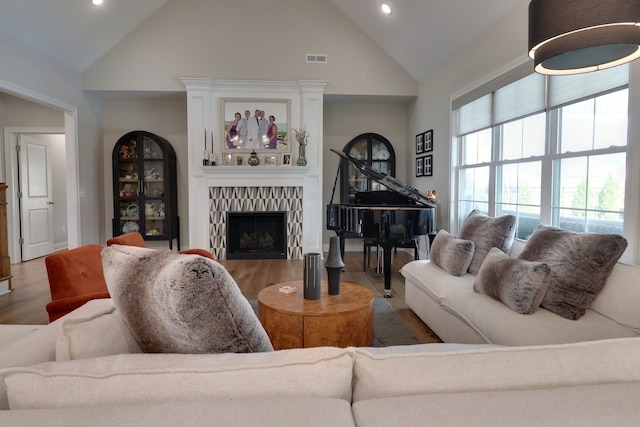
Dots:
pixel 163 115
pixel 502 44
pixel 344 121
pixel 248 40
pixel 35 76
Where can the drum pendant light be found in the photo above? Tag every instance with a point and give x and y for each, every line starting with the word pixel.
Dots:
pixel 579 36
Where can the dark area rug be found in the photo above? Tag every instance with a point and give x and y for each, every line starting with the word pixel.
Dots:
pixel 388 328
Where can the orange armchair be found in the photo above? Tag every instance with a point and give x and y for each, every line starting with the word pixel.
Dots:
pixel 135 239
pixel 75 277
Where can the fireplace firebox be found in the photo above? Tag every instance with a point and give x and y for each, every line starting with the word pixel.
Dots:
pixel 256 235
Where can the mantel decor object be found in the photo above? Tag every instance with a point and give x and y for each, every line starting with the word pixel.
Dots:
pixel 302 136
pixel 334 265
pixel 254 160
pixel 312 276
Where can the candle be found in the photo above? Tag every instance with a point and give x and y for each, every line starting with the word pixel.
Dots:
pixel 205 139
pixel 212 141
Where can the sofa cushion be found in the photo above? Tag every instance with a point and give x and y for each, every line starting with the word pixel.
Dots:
pixel 619 298
pixel 451 254
pixel 100 331
pixel 265 411
pixel 580 264
pixel 379 376
pixel 143 378
pixel 498 324
pixel 519 284
pixel 591 405
pixel 487 232
pixel 436 282
pixel 177 303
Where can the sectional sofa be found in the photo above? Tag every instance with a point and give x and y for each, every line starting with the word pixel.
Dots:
pixel 449 305
pixel 82 370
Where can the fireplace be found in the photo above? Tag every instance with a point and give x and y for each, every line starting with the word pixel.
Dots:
pixel 256 235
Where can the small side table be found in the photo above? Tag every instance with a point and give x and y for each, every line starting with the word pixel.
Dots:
pixel 333 320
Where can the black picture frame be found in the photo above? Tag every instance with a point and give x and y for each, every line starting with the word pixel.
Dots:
pixel 420 143
pixel 419 166
pixel 428 141
pixel 427 165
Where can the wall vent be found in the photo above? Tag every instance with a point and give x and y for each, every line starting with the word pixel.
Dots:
pixel 317 58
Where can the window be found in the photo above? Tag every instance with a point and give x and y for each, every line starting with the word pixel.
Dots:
pixel 549 150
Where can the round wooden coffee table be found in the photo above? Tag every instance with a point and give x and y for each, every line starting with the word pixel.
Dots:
pixel 333 320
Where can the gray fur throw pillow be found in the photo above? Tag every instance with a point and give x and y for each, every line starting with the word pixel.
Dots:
pixel 580 264
pixel 451 254
pixel 176 303
pixel 519 284
pixel 487 232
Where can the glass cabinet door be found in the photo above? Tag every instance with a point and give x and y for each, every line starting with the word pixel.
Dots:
pixel 128 176
pixel 153 189
pixel 378 153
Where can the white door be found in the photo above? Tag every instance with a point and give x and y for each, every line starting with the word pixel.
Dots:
pixel 37 198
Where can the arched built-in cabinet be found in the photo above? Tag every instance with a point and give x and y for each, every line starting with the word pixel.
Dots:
pixel 377 152
pixel 145 188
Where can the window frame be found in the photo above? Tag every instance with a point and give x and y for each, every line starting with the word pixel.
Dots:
pixel 552 157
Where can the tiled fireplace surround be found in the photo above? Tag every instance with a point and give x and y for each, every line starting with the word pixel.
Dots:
pixel 215 190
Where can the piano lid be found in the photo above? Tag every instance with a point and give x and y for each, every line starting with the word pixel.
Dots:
pixel 388 181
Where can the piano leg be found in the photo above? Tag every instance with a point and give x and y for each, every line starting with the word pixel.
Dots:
pixel 387 250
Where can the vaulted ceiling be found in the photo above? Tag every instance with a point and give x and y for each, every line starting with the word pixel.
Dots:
pixel 419 34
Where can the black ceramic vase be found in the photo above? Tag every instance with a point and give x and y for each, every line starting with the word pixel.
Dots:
pixel 312 276
pixel 334 265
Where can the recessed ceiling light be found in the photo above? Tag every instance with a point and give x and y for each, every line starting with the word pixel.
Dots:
pixel 386 9
pixel 96 2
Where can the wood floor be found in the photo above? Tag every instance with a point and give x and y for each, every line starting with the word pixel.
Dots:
pixel 26 303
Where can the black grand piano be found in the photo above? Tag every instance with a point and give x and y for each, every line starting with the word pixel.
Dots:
pixel 393 217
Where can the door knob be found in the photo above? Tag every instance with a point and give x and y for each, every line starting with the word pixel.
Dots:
pixel 50 203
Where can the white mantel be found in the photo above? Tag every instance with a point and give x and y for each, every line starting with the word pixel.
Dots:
pixel 204 112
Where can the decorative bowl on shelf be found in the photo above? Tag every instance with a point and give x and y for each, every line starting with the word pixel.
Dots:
pixel 129 227
pixel 133 210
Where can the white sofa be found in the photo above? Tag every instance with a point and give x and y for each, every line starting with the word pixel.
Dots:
pixel 457 314
pixel 592 383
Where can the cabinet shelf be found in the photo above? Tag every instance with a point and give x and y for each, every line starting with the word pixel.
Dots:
pixel 135 155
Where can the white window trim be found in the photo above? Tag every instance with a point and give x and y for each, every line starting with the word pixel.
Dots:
pixel 632 184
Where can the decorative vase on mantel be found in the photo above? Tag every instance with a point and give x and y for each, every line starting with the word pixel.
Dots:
pixel 334 265
pixel 254 160
pixel 302 159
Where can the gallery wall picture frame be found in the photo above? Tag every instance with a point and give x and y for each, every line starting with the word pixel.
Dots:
pixel 427 165
pixel 419 166
pixel 428 141
pixel 420 143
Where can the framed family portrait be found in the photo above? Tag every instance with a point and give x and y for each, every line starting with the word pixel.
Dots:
pixel 238 160
pixel 420 143
pixel 256 124
pixel 428 141
pixel 286 160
